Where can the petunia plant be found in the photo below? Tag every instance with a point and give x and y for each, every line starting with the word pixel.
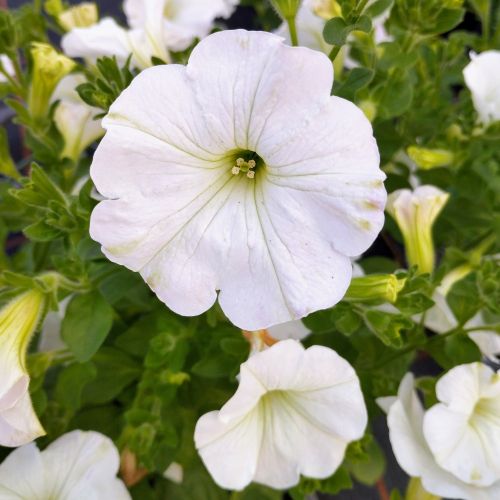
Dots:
pixel 238 238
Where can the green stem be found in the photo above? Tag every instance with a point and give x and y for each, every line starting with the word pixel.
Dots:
pixel 334 53
pixel 293 30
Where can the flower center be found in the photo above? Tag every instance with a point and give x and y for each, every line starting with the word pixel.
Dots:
pixel 246 163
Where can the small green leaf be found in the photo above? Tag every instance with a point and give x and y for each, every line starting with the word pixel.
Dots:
pixel 357 79
pixel 86 324
pixel 71 382
pixel 337 30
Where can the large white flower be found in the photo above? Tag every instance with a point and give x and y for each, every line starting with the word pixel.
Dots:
pixel 294 413
pixel 77 466
pixel 240 174
pixel 75 119
pixel 184 20
pixel 482 76
pixel 107 38
pixel 453 447
pixel 19 423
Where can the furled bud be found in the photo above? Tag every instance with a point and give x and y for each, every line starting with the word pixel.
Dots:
pixel 415 213
pixel 287 9
pixel 18 322
pixel 375 287
pixel 430 158
pixel 327 9
pixel 82 15
pixel 49 67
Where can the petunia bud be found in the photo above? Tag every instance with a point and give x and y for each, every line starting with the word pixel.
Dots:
pixel 416 491
pixel 375 287
pixel 415 213
pixel 430 158
pixel 7 166
pixel 49 67
pixel 18 322
pixel 79 16
pixel 327 9
pixel 287 9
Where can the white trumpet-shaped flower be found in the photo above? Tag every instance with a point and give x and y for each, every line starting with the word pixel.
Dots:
pixel 183 20
pixel 74 118
pixel 107 38
pixel 18 321
pixel 482 76
pixel 415 213
pixel 294 412
pixel 453 446
pixel 79 465
pixel 238 177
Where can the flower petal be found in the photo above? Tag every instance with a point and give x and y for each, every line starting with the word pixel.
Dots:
pixel 289 330
pixel 229 450
pixel 250 81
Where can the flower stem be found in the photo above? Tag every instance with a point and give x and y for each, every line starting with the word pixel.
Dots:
pixel 293 30
pixel 334 53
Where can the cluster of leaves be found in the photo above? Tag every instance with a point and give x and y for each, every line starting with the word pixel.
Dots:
pixel 142 375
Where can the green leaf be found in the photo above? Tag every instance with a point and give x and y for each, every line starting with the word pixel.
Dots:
pixel 85 326
pixel 71 382
pixel 41 231
pixel 446 21
pixel 337 30
pixel 378 7
pixel 394 96
pixel 357 79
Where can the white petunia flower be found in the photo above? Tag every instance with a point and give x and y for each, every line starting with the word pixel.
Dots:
pixel 239 174
pixel 184 20
pixel 295 412
pixel 79 465
pixel 74 118
pixel 415 213
pixel 107 38
pixel 482 77
pixel 453 446
pixel 19 423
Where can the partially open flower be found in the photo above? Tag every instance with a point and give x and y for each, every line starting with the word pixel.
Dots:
pixel 482 76
pixel 49 68
pixel 74 118
pixel 79 16
pixel 107 38
pixel 78 465
pixel 183 20
pixel 415 212
pixel 18 322
pixel 453 446
pixel 375 287
pixel 295 412
pixel 239 174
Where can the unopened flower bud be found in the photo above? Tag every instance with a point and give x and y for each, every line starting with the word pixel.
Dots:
pixel 430 158
pixel 415 213
pixel 49 67
pixel 327 9
pixel 287 9
pixel 375 287
pixel 80 16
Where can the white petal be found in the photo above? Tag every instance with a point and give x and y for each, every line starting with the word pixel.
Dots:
pixel 289 330
pixel 85 462
pixel 412 452
pixel 105 38
pixel 463 431
pixel 439 318
pixel 250 80
pixel 22 475
pixel 229 451
pixel 19 423
pixel 482 76
pixel 488 341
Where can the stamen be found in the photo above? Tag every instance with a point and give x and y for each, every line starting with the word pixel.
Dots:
pixel 245 167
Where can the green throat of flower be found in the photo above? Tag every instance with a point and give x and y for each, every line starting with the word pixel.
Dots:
pixel 247 163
